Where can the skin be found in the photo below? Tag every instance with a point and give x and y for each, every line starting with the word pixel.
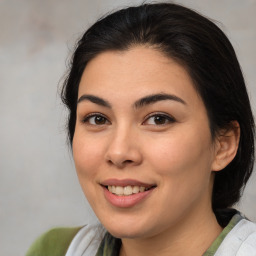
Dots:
pixel 178 155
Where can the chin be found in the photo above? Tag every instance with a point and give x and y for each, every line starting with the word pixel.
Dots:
pixel 130 234
pixel 127 229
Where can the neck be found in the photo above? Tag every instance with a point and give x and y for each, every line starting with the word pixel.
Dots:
pixel 190 237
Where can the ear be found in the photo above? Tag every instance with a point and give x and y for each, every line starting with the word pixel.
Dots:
pixel 226 145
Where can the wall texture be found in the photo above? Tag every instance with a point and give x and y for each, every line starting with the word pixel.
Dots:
pixel 38 184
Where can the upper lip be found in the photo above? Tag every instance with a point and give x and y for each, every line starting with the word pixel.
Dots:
pixel 125 182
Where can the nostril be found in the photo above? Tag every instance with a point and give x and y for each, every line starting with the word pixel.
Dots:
pixel 120 164
pixel 128 161
pixel 110 162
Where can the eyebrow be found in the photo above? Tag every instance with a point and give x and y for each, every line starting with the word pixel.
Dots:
pixel 147 100
pixel 94 99
pixel 150 99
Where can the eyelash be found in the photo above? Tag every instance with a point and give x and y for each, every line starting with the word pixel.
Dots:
pixel 167 118
pixel 88 117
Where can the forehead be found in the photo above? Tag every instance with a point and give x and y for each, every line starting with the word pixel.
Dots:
pixel 138 71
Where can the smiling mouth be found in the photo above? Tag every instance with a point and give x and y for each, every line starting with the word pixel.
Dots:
pixel 127 190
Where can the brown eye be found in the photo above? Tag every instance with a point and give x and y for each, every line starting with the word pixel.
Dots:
pixel 159 119
pixel 99 120
pixel 96 120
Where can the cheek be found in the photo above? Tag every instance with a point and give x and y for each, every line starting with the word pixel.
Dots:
pixel 182 153
pixel 183 166
pixel 87 154
pixel 87 157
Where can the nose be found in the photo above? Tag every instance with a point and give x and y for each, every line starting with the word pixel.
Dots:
pixel 123 149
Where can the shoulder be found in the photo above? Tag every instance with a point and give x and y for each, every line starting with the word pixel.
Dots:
pixel 54 242
pixel 241 240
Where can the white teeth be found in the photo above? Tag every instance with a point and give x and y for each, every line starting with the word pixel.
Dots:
pixel 136 189
pixel 142 189
pixel 126 191
pixel 119 191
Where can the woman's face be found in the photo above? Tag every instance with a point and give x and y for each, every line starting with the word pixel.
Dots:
pixel 142 145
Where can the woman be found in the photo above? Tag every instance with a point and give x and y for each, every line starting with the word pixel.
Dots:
pixel 162 135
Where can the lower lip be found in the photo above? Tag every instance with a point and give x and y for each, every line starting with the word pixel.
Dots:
pixel 126 201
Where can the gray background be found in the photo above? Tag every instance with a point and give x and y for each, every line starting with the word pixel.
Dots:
pixel 38 184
